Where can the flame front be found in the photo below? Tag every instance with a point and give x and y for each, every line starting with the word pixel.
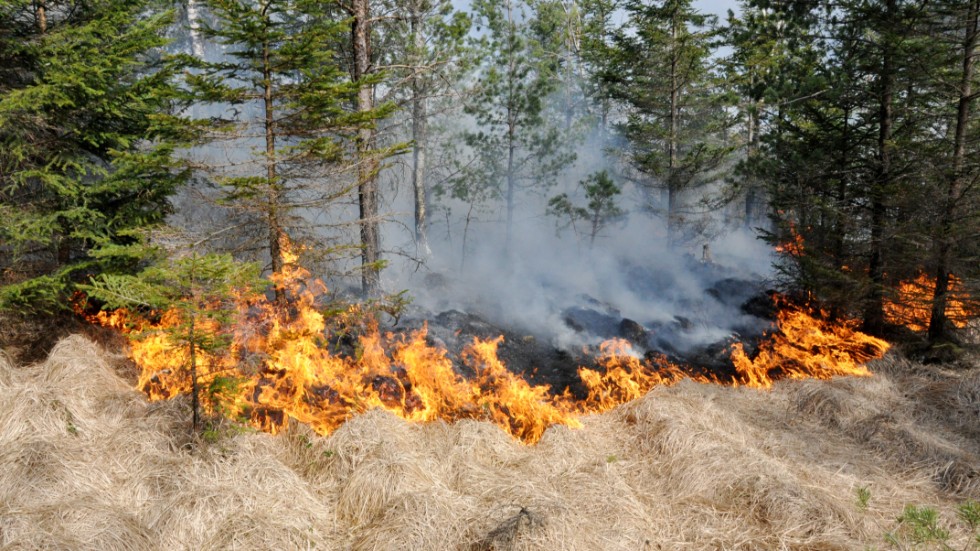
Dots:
pixel 278 366
pixel 807 345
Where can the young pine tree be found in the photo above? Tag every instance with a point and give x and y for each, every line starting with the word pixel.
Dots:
pixel 675 116
pixel 601 210
pixel 199 290
pixel 514 147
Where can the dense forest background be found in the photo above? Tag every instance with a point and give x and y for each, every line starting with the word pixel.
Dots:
pixel 144 143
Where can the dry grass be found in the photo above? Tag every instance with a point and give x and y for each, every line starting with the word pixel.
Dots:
pixel 87 463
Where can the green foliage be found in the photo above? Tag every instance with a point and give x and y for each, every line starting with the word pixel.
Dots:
pixel 600 192
pixel 863 497
pixel 515 147
pixel 86 142
pixel 853 111
pixel 676 114
pixel 281 83
pixel 201 290
pixel 918 525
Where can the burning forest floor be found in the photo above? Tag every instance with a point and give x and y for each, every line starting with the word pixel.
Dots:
pixel 89 463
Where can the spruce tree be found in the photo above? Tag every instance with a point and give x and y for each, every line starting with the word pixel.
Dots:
pixel 86 142
pixel 289 104
pixel 675 115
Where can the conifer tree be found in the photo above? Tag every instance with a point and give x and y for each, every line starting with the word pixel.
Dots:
pixel 86 141
pixel 514 146
pixel 198 289
pixel 600 191
pixel 289 101
pixel 427 57
pixel 958 221
pixel 675 119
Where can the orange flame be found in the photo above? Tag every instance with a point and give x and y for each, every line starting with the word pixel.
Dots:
pixel 912 305
pixel 807 346
pixel 793 246
pixel 277 366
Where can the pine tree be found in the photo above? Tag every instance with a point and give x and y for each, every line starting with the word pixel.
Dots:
pixel 956 225
pixel 675 115
pixel 86 141
pixel 426 61
pixel 198 290
pixel 515 148
pixel 289 97
pixel 600 191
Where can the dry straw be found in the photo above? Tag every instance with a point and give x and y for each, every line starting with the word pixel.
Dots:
pixel 87 463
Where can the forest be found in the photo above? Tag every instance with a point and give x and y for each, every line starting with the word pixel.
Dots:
pixel 323 220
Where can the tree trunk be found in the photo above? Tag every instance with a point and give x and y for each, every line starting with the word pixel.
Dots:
pixel 274 190
pixel 752 145
pixel 511 184
pixel 419 128
pixel 945 241
pixel 195 391
pixel 367 167
pixel 874 310
pixel 672 185
pixel 511 133
pixel 42 16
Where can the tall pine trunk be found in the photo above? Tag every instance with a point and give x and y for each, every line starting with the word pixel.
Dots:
pixel 672 184
pixel 419 135
pixel 944 242
pixel 367 166
pixel 511 131
pixel 274 190
pixel 874 308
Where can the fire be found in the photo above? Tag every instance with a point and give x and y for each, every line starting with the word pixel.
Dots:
pixel 807 345
pixel 912 305
pixel 277 364
pixel 794 246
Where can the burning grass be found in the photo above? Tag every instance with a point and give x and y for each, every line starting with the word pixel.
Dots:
pixel 90 464
pixel 278 366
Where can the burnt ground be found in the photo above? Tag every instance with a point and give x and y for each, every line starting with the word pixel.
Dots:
pixel 728 310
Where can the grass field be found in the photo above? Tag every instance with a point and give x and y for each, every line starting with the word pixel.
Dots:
pixel 87 463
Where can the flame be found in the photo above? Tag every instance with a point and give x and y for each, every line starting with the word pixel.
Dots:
pixel 912 305
pixel 794 245
pixel 807 345
pixel 278 365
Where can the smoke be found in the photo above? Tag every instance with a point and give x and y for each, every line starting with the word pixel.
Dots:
pixel 552 283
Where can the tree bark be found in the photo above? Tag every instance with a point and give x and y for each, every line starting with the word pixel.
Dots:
pixel 42 16
pixel 874 310
pixel 511 133
pixel 419 136
pixel 277 235
pixel 367 173
pixel 945 241
pixel 672 187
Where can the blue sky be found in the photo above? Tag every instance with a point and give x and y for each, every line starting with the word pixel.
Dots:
pixel 718 7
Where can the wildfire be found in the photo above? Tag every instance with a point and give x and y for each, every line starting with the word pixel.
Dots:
pixel 276 364
pixel 912 305
pixel 807 347
pixel 793 246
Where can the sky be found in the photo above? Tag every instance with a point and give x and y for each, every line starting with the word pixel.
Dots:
pixel 717 7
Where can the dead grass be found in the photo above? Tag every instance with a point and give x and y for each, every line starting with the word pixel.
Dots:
pixel 87 463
